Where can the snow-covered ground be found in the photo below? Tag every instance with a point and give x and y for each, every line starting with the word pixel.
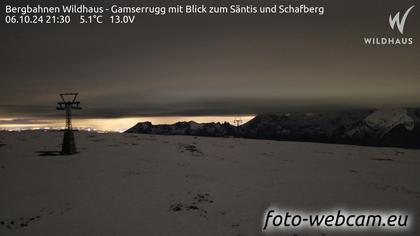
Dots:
pixel 134 184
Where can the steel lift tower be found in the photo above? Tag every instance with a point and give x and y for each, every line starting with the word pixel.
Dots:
pixel 237 121
pixel 68 103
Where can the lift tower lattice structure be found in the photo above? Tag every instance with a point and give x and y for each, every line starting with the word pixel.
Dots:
pixel 68 103
pixel 237 121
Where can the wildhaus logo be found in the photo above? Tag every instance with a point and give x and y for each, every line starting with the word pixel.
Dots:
pixel 398 21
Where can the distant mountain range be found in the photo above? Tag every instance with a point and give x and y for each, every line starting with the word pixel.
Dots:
pixel 384 127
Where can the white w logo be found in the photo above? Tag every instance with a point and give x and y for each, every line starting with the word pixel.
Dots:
pixel 396 19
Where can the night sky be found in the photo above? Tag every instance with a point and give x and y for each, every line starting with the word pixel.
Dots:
pixel 211 65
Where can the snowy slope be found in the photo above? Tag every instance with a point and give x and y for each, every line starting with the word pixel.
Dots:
pixel 140 184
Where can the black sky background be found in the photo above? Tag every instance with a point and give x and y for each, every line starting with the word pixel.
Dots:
pixel 211 64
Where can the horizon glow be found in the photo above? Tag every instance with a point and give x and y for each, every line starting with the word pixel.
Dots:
pixel 112 124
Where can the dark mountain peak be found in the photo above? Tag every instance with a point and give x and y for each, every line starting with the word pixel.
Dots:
pixel 383 127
